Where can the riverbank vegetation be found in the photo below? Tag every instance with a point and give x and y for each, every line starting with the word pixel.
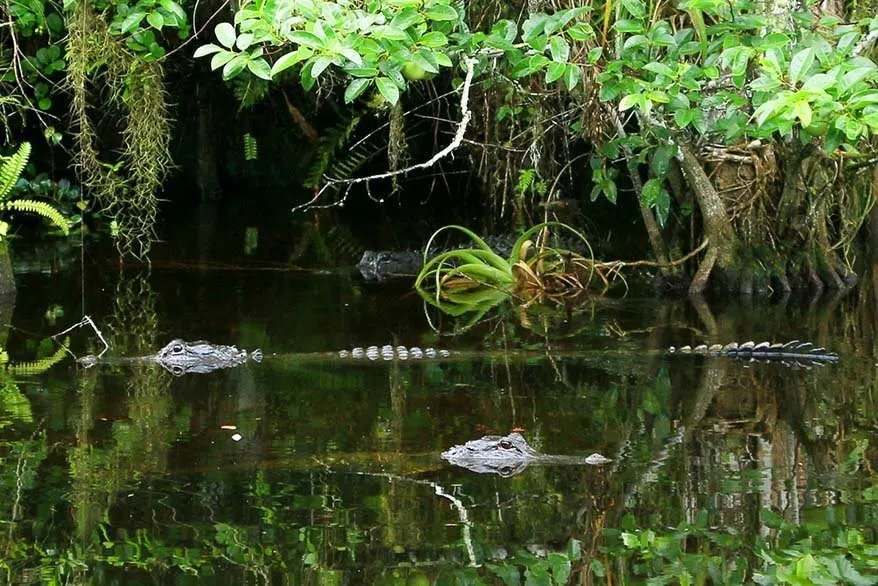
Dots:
pixel 742 129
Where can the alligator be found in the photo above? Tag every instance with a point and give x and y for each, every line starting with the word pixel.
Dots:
pixel 180 357
pixel 508 455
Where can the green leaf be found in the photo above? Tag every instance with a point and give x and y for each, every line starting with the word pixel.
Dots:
pixel 764 84
pixel 290 59
pixel 174 9
pixel 774 41
pixel 319 65
pixel 388 89
pixel 635 41
pixel 802 111
pixel 581 31
pixel 628 26
pixel 852 78
pixel 661 160
pixel 433 39
pixel 260 68
pixel 244 41
pixel 442 59
pixel 351 55
pixel 221 59
pixel 355 89
pixel 595 54
pixel 628 102
pixel 832 140
pixel 441 12
pixel 658 96
pixel 659 68
pixel 636 8
pixel 800 64
pixel 132 21
pixel 235 66
pixel 207 49
pixel 361 71
pixel 155 20
pixel 572 75
pixel 424 62
pixel 554 71
pixel 305 39
pixel 225 33
pixel 683 117
pixel 559 49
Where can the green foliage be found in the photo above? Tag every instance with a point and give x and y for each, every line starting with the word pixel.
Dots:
pixel 808 75
pixel 251 147
pixel 333 158
pixel 12 168
pixel 10 171
pixel 379 45
pixel 476 279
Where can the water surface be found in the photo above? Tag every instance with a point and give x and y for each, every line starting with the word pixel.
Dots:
pixel 328 472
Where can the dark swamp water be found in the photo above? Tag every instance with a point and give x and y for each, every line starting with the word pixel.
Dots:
pixel 328 472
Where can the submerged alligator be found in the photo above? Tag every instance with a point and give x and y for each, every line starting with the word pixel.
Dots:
pixel 509 455
pixel 180 357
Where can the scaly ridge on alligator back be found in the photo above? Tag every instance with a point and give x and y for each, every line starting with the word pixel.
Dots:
pixel 794 351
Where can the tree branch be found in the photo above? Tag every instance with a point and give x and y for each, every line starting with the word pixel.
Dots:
pixel 466 115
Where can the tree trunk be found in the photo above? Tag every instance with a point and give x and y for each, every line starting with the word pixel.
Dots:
pixel 717 225
pixel 7 279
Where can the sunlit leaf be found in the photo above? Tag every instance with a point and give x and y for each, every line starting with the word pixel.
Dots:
pixel 388 89
pixel 225 33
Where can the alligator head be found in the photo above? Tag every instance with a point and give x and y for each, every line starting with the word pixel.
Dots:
pixel 508 455
pixel 180 357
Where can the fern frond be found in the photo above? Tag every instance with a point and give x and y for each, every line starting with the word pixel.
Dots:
pixel 12 168
pixel 345 167
pixel 334 139
pixel 40 208
pixel 525 180
pixel 41 365
pixel 251 148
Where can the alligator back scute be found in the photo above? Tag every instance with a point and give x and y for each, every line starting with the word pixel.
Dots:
pixel 388 352
pixel 794 352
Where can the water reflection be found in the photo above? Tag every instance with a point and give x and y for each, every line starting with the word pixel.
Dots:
pixel 329 473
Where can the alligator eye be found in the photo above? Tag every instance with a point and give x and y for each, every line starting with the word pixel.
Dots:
pixel 177 348
pixel 506 444
pixel 178 370
pixel 506 470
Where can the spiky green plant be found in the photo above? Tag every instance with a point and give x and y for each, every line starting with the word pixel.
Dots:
pixel 475 279
pixel 10 172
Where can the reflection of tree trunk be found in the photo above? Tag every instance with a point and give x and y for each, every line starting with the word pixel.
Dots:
pixel 206 221
pixel 7 307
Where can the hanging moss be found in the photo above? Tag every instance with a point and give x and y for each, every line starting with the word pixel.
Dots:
pixel 102 76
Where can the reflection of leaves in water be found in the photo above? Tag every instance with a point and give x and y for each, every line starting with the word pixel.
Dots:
pixel 13 405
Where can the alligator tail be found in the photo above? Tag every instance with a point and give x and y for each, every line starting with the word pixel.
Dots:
pixel 802 353
pixel 388 352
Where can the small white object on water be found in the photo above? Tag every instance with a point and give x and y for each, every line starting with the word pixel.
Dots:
pixel 237 437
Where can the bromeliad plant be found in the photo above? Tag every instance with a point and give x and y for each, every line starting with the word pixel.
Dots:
pixel 475 279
